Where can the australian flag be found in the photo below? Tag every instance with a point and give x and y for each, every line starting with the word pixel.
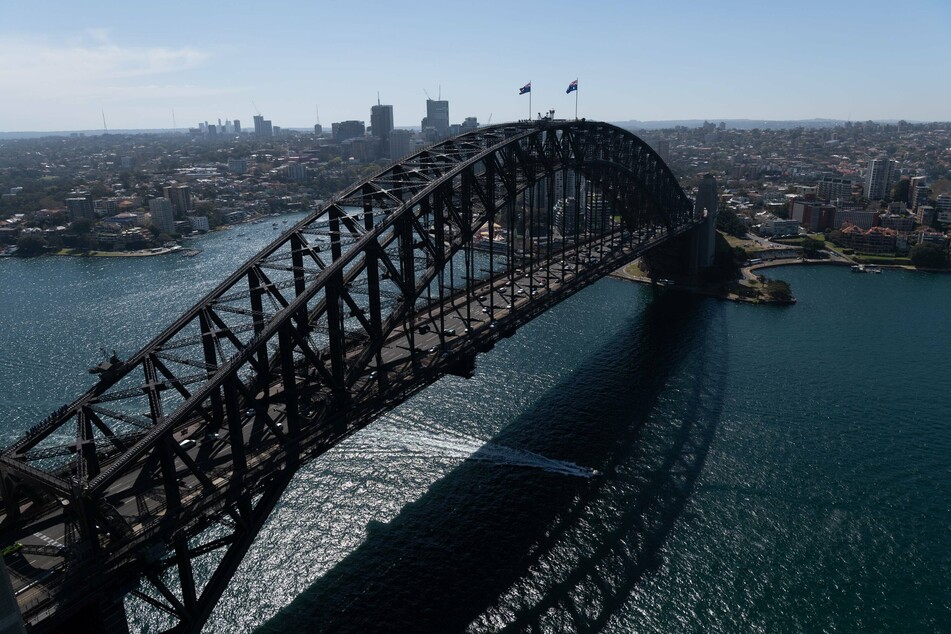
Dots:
pixel 573 86
pixel 526 88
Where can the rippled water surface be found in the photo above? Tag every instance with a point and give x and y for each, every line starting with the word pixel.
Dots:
pixel 623 463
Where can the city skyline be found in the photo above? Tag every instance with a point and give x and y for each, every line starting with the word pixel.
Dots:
pixel 64 67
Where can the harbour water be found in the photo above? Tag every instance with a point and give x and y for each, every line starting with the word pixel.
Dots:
pixel 626 462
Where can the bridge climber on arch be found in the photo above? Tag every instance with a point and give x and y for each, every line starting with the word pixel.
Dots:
pixel 183 449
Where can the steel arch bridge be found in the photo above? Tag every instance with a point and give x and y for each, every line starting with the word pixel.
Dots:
pixel 180 452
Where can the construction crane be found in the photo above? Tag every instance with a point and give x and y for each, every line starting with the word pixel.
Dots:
pixel 490 119
pixel 256 108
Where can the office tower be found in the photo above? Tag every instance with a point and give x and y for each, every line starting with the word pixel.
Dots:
pixel 878 179
pixel 381 124
pixel 262 127
pixel 318 129
pixel 80 208
pixel 180 197
pixel 437 118
pixel 163 216
pixel 348 130
pixel 237 126
pixel 399 143
pixel 471 123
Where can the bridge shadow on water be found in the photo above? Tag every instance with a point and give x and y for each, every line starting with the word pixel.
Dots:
pixel 496 548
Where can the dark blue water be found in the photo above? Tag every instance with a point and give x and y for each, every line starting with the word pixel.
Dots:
pixel 764 469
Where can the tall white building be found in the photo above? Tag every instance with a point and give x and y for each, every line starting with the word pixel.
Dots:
pixel 879 177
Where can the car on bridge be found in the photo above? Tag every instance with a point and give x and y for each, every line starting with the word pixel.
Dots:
pixel 12 549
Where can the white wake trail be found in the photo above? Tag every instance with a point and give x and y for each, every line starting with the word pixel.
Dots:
pixel 449 444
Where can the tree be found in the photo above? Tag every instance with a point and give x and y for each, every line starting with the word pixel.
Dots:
pixel 30 244
pixel 729 222
pixel 778 290
pixel 928 256
pixel 98 190
pixel 901 190
pixel 812 248
pixel 81 227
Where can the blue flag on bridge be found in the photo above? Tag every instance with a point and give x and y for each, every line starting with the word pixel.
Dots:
pixel 573 86
pixel 526 88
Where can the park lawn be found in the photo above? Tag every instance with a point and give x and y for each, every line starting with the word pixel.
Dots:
pixel 882 259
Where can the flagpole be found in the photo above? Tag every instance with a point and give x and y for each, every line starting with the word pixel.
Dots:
pixel 576 101
pixel 529 101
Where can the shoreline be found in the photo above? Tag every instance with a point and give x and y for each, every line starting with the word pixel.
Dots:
pixel 140 253
pixel 749 274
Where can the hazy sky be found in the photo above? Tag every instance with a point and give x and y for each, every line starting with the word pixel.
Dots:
pixel 63 63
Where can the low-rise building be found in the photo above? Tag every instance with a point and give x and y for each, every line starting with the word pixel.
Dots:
pixel 856 217
pixel 898 222
pixel 812 214
pixel 779 227
pixel 873 240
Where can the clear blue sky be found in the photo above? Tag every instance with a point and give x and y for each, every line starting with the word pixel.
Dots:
pixel 62 63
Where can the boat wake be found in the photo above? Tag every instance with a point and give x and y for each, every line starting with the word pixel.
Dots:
pixel 407 442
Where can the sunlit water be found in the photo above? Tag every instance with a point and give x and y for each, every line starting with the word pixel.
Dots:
pixel 623 463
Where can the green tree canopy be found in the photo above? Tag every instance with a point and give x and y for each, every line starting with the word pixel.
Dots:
pixel 729 222
pixel 929 256
pixel 900 191
pixel 778 290
pixel 812 247
pixel 81 226
pixel 30 244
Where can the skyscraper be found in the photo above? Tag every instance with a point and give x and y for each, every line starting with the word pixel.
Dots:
pixel 381 124
pixel 878 179
pixel 237 126
pixel 180 197
pixel 80 208
pixel 262 127
pixel 162 215
pixel 437 118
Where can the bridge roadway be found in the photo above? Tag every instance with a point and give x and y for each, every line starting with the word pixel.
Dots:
pixel 445 340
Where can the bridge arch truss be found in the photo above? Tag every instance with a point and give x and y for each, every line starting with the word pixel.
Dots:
pixel 183 449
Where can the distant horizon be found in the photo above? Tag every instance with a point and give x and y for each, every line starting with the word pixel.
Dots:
pixel 657 124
